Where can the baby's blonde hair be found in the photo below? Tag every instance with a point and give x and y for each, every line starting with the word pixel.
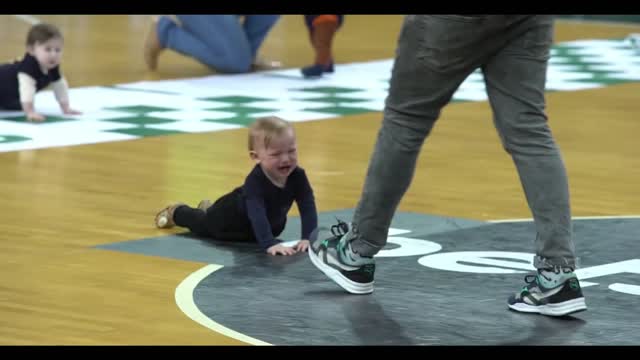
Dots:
pixel 42 32
pixel 267 127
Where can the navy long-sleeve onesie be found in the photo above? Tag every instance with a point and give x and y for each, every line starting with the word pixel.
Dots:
pixel 9 87
pixel 255 211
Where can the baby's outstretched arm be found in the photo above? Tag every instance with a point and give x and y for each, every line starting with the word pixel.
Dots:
pixel 281 249
pixel 27 90
pixel 61 90
pixel 302 245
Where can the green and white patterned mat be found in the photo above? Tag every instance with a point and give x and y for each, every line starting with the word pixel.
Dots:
pixel 222 102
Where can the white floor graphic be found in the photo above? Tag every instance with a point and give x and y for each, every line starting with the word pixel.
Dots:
pixel 221 102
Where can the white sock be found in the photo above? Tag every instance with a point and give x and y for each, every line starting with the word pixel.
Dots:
pixel 550 278
pixel 353 258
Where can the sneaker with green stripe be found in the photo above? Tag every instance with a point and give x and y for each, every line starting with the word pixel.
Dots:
pixel 334 257
pixel 553 292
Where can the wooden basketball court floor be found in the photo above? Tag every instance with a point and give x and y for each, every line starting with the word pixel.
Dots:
pixel 58 203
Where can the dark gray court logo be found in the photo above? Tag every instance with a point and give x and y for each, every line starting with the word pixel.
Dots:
pixel 440 281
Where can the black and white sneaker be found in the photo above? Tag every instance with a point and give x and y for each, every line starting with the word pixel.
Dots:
pixel 352 272
pixel 563 299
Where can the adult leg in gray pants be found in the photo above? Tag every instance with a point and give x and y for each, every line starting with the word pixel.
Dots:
pixel 435 54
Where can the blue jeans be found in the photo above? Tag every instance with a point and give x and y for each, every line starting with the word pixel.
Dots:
pixel 221 42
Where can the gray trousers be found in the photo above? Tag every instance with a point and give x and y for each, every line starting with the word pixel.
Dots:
pixel 435 54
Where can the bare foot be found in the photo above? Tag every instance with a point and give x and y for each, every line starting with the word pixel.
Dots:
pixel 152 47
pixel 263 64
